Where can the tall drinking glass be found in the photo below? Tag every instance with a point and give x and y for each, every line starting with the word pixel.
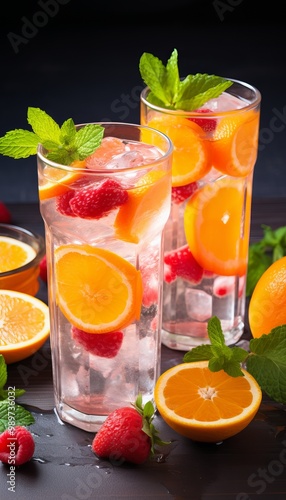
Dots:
pixel 104 219
pixel 207 234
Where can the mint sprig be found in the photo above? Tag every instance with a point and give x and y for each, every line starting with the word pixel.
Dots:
pixel 263 253
pixel 11 414
pixel 64 144
pixel 168 91
pixel 265 360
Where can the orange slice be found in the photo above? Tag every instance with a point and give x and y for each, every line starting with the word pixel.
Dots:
pixel 14 253
pixel 213 222
pixel 235 144
pixel 190 155
pixel 24 325
pixel 97 290
pixel 55 181
pixel 136 218
pixel 204 405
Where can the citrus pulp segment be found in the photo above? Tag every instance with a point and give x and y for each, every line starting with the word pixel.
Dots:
pixel 190 155
pixel 14 253
pixel 145 201
pixel 97 290
pixel 267 306
pixel 234 144
pixel 24 325
pixel 212 223
pixel 54 181
pixel 204 405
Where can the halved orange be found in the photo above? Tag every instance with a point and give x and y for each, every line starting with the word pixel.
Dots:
pixel 235 143
pixel 191 151
pixel 97 290
pixel 24 325
pixel 206 406
pixel 217 224
pixel 14 253
pixel 55 181
pixel 136 218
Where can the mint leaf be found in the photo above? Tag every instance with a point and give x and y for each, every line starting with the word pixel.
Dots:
pixel 19 144
pixel 199 353
pixel 267 363
pixel 3 371
pixel 43 125
pixel 20 416
pixel 167 90
pixel 63 144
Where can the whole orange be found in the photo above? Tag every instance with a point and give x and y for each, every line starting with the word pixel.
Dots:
pixel 267 307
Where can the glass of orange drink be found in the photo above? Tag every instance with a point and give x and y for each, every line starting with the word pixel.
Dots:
pixel 20 254
pixel 104 218
pixel 206 238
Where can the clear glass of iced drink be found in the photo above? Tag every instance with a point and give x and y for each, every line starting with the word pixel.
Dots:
pixel 207 234
pixel 104 218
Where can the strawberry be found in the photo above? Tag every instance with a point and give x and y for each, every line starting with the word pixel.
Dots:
pixel 63 204
pixel 5 216
pixel 105 345
pixel 207 124
pixel 127 435
pixel 181 193
pixel 43 269
pixel 17 446
pixel 180 263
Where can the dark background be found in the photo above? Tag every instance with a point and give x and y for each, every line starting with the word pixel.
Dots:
pixel 79 59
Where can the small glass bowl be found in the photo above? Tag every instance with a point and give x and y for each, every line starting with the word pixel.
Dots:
pixel 25 278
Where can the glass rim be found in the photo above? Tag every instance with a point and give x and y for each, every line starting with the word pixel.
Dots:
pixel 98 171
pixel 248 106
pixel 11 231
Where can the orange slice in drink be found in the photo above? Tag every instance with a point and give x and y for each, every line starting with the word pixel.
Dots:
pixel 190 155
pixel 213 222
pixel 136 218
pixel 204 405
pixel 97 290
pixel 55 181
pixel 234 145
pixel 24 325
pixel 14 253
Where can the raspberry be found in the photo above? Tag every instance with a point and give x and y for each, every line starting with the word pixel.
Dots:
pixel 207 124
pixel 105 345
pixel 93 203
pixel 5 215
pixel 180 263
pixel 17 446
pixel 43 269
pixel 181 193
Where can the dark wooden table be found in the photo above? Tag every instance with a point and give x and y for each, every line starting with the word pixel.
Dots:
pixel 249 465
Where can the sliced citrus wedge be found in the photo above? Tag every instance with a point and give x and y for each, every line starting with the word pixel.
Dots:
pixel 14 253
pixel 190 155
pixel 217 223
pixel 55 181
pixel 24 325
pixel 234 145
pixel 204 405
pixel 136 218
pixel 97 290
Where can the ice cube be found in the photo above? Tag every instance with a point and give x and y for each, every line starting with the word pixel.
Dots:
pixel 198 304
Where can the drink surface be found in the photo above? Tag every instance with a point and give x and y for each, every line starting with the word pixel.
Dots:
pixel 207 234
pixel 103 225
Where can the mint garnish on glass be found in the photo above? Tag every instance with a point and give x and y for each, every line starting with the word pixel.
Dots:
pixel 265 360
pixel 168 91
pixel 64 144
pixel 11 413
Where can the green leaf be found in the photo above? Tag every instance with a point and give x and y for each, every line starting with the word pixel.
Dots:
pixel 267 363
pixel 215 332
pixel 16 393
pixel 68 132
pixel 19 416
pixel 216 363
pixel 19 144
pixel 3 371
pixel 233 369
pixel 88 139
pixel 43 125
pixel 199 353
pixel 168 91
